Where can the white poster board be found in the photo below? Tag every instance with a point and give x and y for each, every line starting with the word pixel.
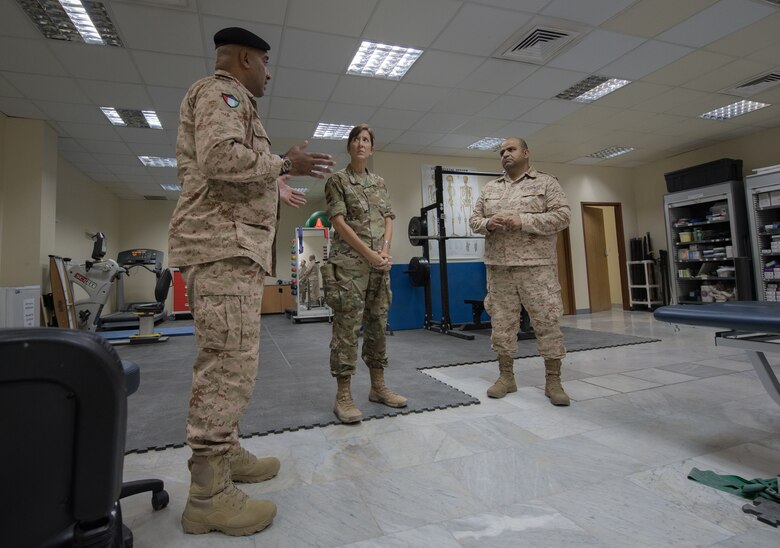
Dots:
pixel 460 192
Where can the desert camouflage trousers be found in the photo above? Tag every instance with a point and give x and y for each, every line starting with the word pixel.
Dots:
pixel 225 298
pixel 310 289
pixel 358 297
pixel 536 288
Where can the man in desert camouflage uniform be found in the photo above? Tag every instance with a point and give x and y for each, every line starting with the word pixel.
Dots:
pixel 309 281
pixel 357 277
pixel 222 237
pixel 520 214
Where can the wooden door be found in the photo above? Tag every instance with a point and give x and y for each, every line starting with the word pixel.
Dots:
pixel 596 259
pixel 565 272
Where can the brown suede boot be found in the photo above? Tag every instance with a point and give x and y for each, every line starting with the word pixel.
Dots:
pixel 380 393
pixel 247 468
pixel 344 408
pixel 506 378
pixel 216 504
pixel 552 385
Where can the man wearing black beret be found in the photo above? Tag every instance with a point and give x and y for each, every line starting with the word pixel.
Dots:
pixel 222 237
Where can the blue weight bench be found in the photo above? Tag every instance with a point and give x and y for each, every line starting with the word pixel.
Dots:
pixel 750 325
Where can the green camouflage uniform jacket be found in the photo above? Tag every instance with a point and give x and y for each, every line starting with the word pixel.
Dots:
pixel 365 203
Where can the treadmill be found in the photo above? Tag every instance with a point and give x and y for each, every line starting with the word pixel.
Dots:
pixel 148 259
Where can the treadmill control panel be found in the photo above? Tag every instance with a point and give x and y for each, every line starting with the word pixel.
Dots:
pixel 138 257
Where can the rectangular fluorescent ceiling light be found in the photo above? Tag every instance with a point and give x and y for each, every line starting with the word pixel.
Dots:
pixel 591 88
pixel 73 21
pixel 332 131
pixel 733 110
pixel 383 61
pixel 611 152
pixel 171 188
pixel 132 118
pixel 157 161
pixel 488 143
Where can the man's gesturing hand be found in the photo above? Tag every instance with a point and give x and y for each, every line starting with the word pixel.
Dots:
pixel 309 164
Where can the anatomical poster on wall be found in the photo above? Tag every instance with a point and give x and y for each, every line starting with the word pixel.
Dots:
pixel 460 192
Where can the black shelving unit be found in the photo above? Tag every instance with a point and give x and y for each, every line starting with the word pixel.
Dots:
pixel 706 231
pixel 762 193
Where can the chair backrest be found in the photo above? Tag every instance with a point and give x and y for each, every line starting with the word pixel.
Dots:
pixel 63 414
pixel 163 285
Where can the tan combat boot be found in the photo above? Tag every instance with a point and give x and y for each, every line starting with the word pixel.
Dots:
pixel 344 408
pixel 247 468
pixel 505 383
pixel 552 385
pixel 380 393
pixel 215 504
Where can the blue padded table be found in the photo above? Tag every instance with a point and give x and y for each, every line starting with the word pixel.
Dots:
pixel 751 325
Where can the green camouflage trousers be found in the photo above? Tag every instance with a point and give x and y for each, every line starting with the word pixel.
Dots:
pixel 536 288
pixel 357 296
pixel 225 298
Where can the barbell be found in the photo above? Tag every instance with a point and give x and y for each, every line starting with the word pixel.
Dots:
pixel 418 225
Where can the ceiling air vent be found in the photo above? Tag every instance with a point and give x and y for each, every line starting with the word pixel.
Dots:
pixel 538 44
pixel 155 198
pixel 755 85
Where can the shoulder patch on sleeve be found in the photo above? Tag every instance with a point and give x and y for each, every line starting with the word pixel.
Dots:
pixel 230 100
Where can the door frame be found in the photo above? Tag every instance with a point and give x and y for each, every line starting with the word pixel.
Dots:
pixel 621 246
pixel 565 236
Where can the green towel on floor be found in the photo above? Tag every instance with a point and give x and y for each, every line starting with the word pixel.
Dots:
pixel 749 489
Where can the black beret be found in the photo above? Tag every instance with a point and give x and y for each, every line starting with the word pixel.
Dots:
pixel 240 37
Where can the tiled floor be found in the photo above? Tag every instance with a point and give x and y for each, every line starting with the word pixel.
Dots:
pixel 608 471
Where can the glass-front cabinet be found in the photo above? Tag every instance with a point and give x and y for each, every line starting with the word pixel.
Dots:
pixel 763 201
pixel 706 230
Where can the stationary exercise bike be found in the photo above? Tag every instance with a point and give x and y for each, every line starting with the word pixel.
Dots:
pixel 95 277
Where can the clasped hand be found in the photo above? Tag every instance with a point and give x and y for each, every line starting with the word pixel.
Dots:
pixel 504 222
pixel 380 260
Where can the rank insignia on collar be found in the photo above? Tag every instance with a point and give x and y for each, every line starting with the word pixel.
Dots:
pixel 230 100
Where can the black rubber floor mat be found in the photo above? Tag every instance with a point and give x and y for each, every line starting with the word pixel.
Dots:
pixel 294 387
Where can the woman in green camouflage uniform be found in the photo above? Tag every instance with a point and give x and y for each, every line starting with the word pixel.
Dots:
pixel 357 276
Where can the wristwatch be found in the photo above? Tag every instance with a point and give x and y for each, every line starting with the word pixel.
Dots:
pixel 286 166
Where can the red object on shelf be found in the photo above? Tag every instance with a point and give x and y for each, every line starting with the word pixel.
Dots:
pixel 181 304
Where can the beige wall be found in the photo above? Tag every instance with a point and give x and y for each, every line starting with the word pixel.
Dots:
pixel 3 119
pixel 144 224
pixel 403 172
pixel 83 208
pixel 29 174
pixel 83 205
pixel 756 150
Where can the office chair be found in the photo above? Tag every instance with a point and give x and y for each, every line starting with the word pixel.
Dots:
pixel 63 416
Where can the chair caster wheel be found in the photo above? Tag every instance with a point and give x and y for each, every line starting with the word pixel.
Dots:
pixel 160 500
